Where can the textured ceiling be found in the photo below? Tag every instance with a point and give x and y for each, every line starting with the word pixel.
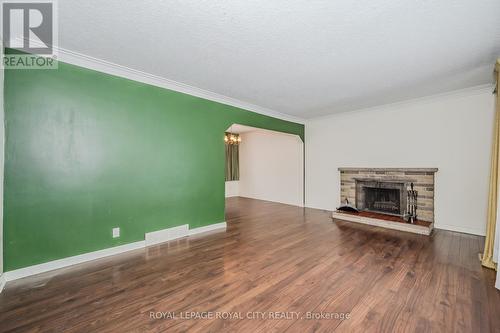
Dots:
pixel 302 58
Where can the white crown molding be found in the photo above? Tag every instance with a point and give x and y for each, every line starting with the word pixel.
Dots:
pixel 107 67
pixel 470 91
pixel 85 61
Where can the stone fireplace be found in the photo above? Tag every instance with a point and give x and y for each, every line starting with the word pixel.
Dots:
pixel 384 190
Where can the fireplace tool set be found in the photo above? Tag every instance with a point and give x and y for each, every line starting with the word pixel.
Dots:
pixel 411 205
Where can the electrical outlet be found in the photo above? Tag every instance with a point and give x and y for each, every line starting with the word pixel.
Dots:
pixel 116 232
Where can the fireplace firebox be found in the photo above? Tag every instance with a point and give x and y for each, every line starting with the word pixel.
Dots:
pixel 384 200
pixel 388 197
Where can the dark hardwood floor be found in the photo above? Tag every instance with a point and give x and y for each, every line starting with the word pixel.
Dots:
pixel 274 260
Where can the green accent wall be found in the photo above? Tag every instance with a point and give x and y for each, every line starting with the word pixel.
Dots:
pixel 87 151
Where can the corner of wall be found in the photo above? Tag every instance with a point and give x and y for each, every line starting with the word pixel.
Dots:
pixel 232 188
pixel 2 282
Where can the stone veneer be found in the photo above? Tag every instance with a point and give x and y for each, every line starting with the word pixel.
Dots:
pixel 422 179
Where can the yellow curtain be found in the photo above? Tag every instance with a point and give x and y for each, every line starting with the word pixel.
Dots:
pixel 487 257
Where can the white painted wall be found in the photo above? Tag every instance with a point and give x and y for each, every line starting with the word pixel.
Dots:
pixel 452 132
pixel 271 167
pixel 232 188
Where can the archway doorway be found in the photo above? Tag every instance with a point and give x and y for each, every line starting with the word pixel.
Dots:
pixel 270 167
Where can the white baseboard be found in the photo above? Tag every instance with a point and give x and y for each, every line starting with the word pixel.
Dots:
pixel 166 235
pixel 472 231
pixel 207 228
pixel 2 282
pixel 70 261
pixel 151 238
pixel 296 204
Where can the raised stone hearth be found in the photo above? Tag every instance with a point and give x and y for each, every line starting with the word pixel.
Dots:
pixel 419 227
pixel 381 195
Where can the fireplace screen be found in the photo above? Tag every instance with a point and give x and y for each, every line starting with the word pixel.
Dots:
pixel 387 197
pixel 385 200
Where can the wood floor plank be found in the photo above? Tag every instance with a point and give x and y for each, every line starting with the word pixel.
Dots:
pixel 272 259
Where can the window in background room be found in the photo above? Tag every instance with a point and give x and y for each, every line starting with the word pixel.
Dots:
pixel 232 142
